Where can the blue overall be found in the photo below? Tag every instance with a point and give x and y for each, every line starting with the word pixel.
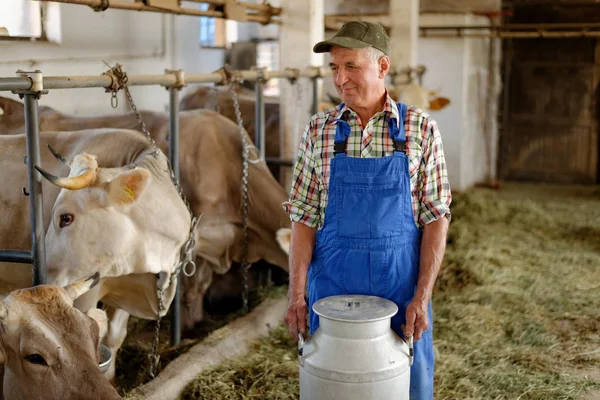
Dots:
pixel 370 243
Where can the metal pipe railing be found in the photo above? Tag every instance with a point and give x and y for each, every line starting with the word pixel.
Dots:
pixel 259 117
pixel 30 85
pixel 167 79
pixel 174 157
pixel 16 256
pixel 36 202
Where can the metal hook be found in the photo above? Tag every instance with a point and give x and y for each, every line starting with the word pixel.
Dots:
pixel 25 191
pixel 184 269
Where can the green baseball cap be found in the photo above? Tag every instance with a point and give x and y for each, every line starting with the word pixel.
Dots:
pixel 357 35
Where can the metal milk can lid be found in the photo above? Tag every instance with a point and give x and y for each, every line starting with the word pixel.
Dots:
pixel 355 308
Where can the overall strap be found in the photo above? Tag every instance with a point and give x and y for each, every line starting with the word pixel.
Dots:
pixel 342 133
pixel 398 133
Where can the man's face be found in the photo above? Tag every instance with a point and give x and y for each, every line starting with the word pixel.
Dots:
pixel 357 79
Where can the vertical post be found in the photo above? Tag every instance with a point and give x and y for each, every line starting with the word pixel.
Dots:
pixel 36 203
pixel 502 161
pixel 404 33
pixel 174 157
pixel 302 27
pixel 315 93
pixel 259 114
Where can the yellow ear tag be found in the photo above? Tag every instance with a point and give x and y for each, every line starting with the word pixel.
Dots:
pixel 129 191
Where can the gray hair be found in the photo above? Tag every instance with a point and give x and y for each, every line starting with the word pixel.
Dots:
pixel 373 54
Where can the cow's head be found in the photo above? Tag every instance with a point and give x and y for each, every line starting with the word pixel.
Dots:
pixel 416 95
pixel 121 221
pixel 48 348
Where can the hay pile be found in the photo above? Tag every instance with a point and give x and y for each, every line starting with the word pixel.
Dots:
pixel 516 308
pixel 132 362
pixel 269 371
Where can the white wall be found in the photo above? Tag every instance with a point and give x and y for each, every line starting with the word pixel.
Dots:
pixel 459 67
pixel 144 43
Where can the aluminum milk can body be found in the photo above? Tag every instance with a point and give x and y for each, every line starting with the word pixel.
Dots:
pixel 354 354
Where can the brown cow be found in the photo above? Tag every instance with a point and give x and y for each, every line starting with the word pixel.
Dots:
pixel 48 348
pixel 220 100
pixel 211 167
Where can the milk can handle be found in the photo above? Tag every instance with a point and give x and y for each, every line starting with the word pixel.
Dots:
pixel 301 349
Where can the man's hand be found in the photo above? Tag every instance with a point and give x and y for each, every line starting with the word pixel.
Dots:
pixel 295 318
pixel 417 320
pixel 301 250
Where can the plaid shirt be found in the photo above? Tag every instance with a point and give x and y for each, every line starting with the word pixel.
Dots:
pixel 430 189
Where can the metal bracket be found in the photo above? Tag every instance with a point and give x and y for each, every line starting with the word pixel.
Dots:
pixel 261 75
pixel 228 76
pixel 179 78
pixel 319 72
pixel 235 11
pixel 295 74
pixel 37 84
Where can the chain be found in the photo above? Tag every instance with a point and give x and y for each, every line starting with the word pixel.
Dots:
pixel 154 356
pixel 245 147
pixel 119 81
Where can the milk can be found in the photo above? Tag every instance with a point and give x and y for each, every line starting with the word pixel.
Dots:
pixel 354 354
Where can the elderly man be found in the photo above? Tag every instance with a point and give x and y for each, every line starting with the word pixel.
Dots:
pixel 370 199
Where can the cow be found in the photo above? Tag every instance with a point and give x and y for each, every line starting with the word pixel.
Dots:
pixel 211 169
pixel 117 212
pixel 48 348
pixel 220 99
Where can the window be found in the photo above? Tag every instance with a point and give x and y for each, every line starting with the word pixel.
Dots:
pixel 29 19
pixel 212 30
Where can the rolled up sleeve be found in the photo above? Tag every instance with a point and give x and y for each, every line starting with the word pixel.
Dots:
pixel 435 190
pixel 303 204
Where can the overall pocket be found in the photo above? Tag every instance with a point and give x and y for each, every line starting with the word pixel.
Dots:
pixel 369 207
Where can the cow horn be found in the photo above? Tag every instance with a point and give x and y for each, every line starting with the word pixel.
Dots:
pixel 73 183
pixel 80 287
pixel 58 156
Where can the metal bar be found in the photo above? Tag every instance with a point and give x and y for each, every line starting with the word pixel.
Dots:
pixel 169 79
pixel 16 256
pixel 248 6
pixel 279 161
pixel 315 94
pixel 36 205
pixel 15 83
pixel 174 157
pixel 259 116
pixel 139 6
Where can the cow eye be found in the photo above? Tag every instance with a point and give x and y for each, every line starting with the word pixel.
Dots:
pixel 36 359
pixel 66 220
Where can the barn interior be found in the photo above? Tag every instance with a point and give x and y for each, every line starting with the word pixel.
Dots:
pixel 516 305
